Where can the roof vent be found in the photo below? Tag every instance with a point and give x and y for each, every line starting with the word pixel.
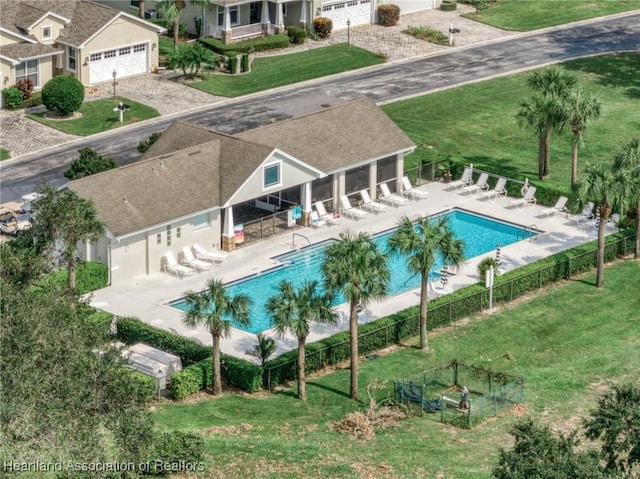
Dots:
pixel 162 165
pixel 125 199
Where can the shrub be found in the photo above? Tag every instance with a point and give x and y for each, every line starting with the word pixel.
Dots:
pixel 144 145
pixel 182 29
pixel 34 100
pixel 191 379
pixel 245 62
pixel 388 15
pixel 63 94
pixel 323 26
pixel 296 35
pixel 256 44
pixel 88 163
pixel 26 87
pixel 479 4
pixel 233 62
pixel 12 97
pixel 90 276
pixel 191 59
pixel 484 266
pixel 448 5
pixel 428 34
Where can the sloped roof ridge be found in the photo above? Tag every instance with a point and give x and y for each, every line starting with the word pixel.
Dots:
pixel 166 156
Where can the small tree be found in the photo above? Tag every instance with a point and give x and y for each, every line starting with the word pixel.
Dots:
pixel 144 145
pixel 63 94
pixel 264 349
pixel 88 163
pixel 388 15
pixel 191 59
pixel 323 26
pixel 616 424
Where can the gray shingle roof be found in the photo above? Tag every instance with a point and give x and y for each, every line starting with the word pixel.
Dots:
pixel 86 17
pixel 181 174
pixel 337 137
pixel 155 191
pixel 21 51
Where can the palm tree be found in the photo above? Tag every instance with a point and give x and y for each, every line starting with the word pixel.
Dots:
pixel 545 115
pixel 544 111
pixel 610 188
pixel 266 347
pixel 581 111
pixel 172 9
pixel 294 310
pixel 63 220
pixel 421 243
pixel 356 267
pixel 629 159
pixel 215 309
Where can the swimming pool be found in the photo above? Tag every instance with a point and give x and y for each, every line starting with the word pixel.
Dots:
pixel 481 234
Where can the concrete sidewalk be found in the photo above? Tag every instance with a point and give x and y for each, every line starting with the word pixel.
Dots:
pixel 20 135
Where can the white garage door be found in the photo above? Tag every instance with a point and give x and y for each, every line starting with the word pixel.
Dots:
pixel 357 11
pixel 126 61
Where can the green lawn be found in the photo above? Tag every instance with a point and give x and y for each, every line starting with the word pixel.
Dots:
pixel 271 72
pixel 476 123
pixel 98 115
pixel 4 154
pixel 568 343
pixel 526 15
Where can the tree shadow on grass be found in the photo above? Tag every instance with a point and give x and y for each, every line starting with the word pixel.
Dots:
pixel 506 166
pixel 618 71
pixel 327 388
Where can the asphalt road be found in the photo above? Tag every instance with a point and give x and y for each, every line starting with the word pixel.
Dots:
pixel 383 84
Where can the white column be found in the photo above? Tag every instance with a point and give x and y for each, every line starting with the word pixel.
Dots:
pixel 338 188
pixel 227 230
pixel 399 171
pixel 226 25
pixel 264 16
pixel 305 195
pixel 279 16
pixel 303 13
pixel 373 179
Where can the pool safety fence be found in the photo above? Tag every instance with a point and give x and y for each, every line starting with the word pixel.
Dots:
pixel 439 391
pixel 446 309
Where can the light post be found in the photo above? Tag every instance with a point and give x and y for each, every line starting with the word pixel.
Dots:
pixel 115 74
pixel 348 32
pixel 451 32
pixel 488 282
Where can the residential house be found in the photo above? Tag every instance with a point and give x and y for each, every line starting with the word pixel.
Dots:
pixel 234 20
pixel 43 38
pixel 186 187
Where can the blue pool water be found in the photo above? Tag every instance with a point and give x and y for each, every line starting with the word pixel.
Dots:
pixel 480 234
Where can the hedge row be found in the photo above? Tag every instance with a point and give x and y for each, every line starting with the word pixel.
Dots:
pixel 256 44
pixel 446 309
pixel 196 358
pixel 90 276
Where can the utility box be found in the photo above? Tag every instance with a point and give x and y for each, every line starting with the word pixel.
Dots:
pixel 154 363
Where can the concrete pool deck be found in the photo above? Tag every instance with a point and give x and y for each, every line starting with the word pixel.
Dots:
pixel 146 297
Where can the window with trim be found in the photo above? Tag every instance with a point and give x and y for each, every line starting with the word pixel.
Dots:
pixel 201 221
pixel 178 232
pixel 271 176
pixel 233 13
pixel 71 58
pixel 159 238
pixel 168 235
pixel 110 54
pixel 28 70
pixel 46 33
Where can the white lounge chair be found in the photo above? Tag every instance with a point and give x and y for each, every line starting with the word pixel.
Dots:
pixel 391 198
pixel 499 190
pixel 465 180
pixel 316 221
pixel 190 260
pixel 213 256
pixel 347 209
pixel 479 185
pixel 332 219
pixel 584 215
pixel 410 191
pixel 559 207
pixel 374 206
pixel 528 198
pixel 172 266
pixel 437 289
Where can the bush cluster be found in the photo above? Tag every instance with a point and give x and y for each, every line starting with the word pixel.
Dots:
pixel 144 145
pixel 63 94
pixel 182 29
pixel 12 97
pixel 177 448
pixel 89 163
pixel 233 62
pixel 90 276
pixel 26 87
pixel 296 35
pixel 245 62
pixel 256 44
pixel 388 15
pixel 322 26
pixel 191 379
pixel 448 5
pixel 34 100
